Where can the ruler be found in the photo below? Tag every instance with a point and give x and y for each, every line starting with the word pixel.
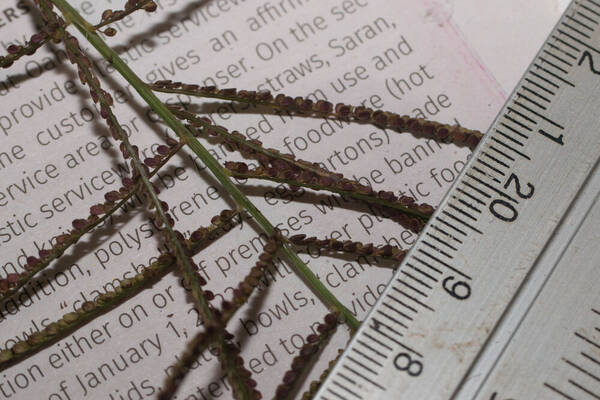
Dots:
pixel 441 323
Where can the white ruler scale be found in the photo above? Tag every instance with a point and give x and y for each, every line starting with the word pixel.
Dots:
pixel 436 316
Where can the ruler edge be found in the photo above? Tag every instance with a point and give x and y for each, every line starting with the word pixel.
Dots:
pixel 471 160
pixel 594 202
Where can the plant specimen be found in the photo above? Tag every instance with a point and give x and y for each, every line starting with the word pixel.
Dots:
pixel 190 129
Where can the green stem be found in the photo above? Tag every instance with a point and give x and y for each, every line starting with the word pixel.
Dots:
pixel 303 165
pixel 58 250
pixel 111 120
pixel 188 138
pixel 126 289
pixel 194 120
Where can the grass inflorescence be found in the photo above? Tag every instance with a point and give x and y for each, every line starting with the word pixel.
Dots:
pixel 57 17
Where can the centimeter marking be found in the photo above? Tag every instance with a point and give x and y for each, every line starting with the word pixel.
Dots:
pixel 434 317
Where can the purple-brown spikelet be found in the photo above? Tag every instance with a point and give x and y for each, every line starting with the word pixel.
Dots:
pixel 349 246
pixel 16 51
pixel 251 281
pixel 313 344
pixel 114 199
pixel 126 289
pixel 179 248
pixel 111 16
pixel 402 209
pixel 401 123
pixel 285 168
pixel 316 384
